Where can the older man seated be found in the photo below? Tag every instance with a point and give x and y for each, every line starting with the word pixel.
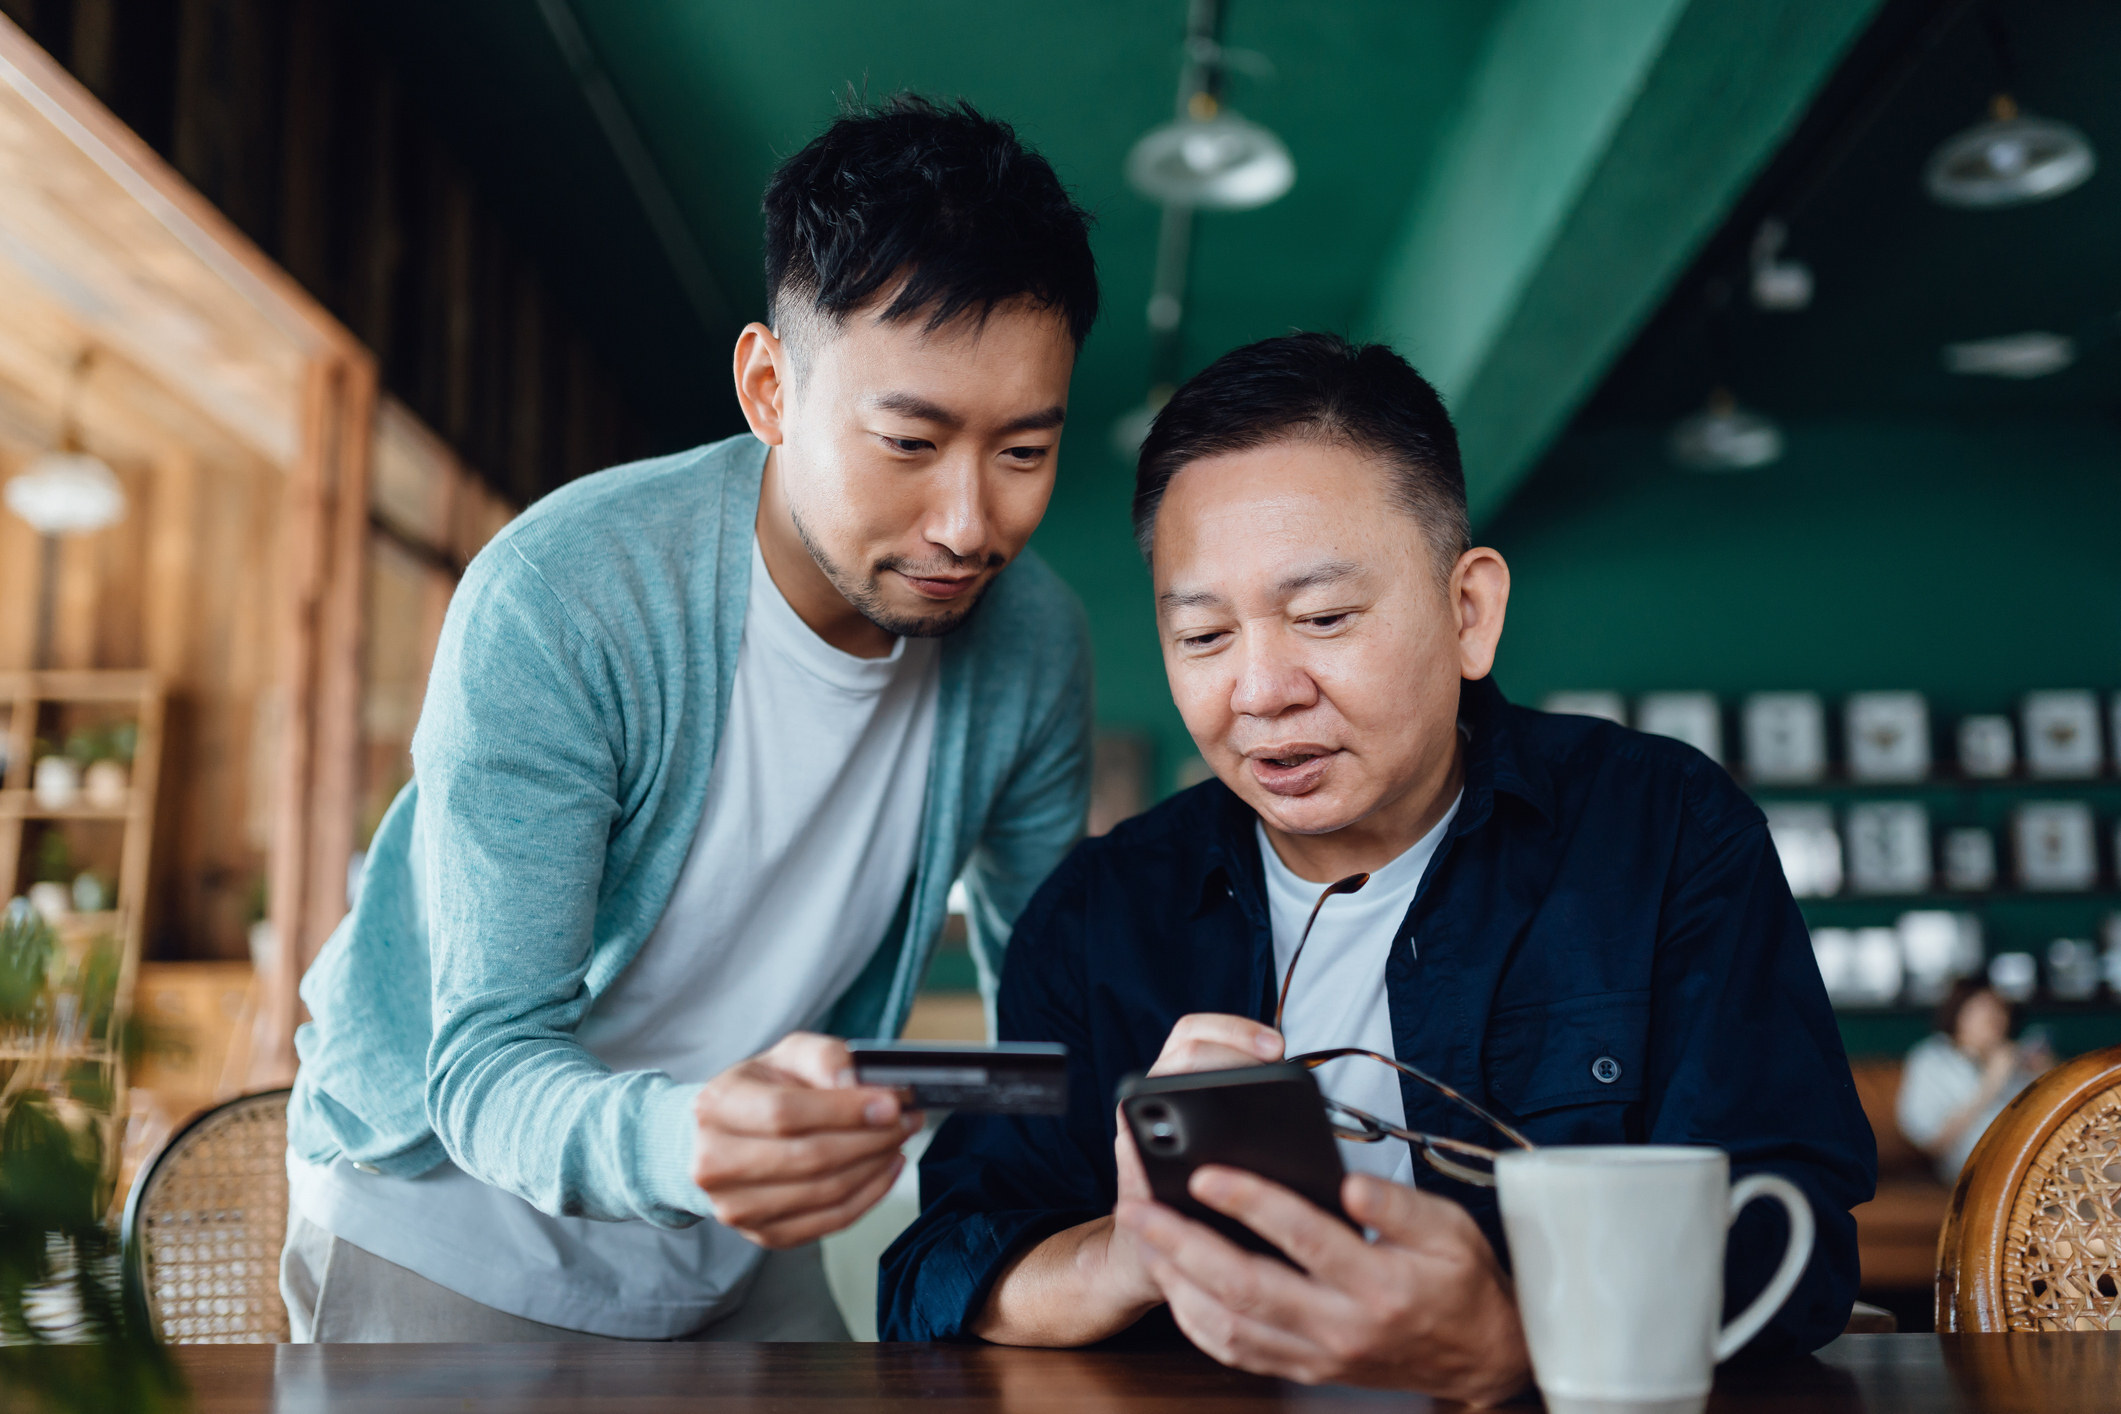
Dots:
pixel 1581 928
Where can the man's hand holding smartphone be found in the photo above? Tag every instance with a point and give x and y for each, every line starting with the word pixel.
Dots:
pixel 1426 1306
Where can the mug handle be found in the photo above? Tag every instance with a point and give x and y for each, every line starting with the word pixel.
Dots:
pixel 1748 1322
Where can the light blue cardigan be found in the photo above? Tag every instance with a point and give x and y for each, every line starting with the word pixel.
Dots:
pixel 560 767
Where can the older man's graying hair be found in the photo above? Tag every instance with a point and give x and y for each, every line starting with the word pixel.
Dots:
pixel 1315 387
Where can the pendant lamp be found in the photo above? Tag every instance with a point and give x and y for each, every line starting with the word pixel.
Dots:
pixel 2010 160
pixel 1725 437
pixel 1211 160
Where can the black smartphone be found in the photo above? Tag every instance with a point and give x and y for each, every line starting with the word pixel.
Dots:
pixel 1266 1119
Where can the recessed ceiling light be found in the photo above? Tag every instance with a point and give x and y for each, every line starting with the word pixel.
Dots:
pixel 1725 437
pixel 1213 160
pixel 2010 160
pixel 2034 354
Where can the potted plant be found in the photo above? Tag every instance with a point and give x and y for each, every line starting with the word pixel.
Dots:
pixel 62 1281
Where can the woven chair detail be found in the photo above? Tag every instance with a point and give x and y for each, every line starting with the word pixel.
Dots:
pixel 2033 1242
pixel 2063 1267
pixel 205 1222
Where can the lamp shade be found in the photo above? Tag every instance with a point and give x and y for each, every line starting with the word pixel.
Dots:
pixel 2009 161
pixel 1218 163
pixel 1725 437
pixel 67 493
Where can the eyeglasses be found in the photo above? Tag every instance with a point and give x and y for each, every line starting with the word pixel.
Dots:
pixel 1454 1158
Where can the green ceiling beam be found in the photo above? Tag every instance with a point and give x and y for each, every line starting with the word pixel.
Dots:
pixel 1598 147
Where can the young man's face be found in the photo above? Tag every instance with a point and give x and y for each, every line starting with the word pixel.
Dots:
pixel 1311 648
pixel 916 464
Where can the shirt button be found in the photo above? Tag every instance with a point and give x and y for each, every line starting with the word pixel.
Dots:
pixel 1605 1070
pixel 366 1168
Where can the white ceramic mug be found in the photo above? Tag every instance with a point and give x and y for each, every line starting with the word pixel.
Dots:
pixel 1618 1254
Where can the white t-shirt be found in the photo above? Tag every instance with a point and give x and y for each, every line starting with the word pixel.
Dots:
pixel 1337 997
pixel 803 851
pixel 1938 1081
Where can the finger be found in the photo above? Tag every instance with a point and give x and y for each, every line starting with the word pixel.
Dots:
pixel 757 1205
pixel 822 1061
pixel 1315 1240
pixel 1237 1339
pixel 809 1227
pixel 1207 1040
pixel 1133 1179
pixel 756 1099
pixel 1407 1217
pixel 1242 1281
pixel 726 1160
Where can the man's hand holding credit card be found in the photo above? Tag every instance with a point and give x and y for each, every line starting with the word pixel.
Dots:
pixel 1011 1077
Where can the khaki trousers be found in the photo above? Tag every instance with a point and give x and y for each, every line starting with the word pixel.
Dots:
pixel 335 1292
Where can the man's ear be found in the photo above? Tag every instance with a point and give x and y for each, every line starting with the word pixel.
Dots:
pixel 1480 595
pixel 762 381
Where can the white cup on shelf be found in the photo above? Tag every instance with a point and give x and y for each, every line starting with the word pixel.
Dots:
pixel 56 782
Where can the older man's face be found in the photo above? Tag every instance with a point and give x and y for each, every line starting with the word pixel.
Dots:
pixel 1311 646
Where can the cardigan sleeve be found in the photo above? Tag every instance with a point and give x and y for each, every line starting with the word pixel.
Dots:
pixel 518 762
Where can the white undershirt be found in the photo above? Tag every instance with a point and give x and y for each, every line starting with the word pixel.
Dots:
pixel 1337 997
pixel 803 851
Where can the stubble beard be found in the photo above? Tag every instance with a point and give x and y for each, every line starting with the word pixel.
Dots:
pixel 867 595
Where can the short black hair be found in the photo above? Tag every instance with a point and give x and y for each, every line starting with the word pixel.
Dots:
pixel 1316 386
pixel 942 195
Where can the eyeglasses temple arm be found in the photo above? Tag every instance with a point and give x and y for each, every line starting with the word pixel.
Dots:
pixel 1348 885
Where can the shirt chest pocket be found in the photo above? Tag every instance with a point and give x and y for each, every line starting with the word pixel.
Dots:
pixel 1545 1060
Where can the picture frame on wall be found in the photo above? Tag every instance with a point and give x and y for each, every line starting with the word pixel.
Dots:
pixel 1988 749
pixel 1808 846
pixel 2062 735
pixel 1888 736
pixel 1969 860
pixel 1692 717
pixel 1889 848
pixel 2056 846
pixel 1785 737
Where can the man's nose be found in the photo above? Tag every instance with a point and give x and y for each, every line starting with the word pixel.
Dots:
pixel 1272 677
pixel 958 519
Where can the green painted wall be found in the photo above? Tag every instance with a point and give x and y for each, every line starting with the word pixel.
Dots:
pixel 1970 560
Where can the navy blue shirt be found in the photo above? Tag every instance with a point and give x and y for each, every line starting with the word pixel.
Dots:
pixel 1607 953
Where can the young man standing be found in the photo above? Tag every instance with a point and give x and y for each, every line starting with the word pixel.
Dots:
pixel 1581 928
pixel 706 742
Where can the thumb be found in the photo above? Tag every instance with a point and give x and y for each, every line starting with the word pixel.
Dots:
pixel 1133 1180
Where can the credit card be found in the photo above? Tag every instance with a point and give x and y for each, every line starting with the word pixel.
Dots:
pixel 1011 1078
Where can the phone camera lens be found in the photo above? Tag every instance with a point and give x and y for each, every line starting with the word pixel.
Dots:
pixel 1160 1128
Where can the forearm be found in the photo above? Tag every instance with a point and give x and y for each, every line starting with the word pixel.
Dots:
pixel 1064 1291
pixel 551 1124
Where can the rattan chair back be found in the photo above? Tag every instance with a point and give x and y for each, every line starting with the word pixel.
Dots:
pixel 205 1222
pixel 2033 1239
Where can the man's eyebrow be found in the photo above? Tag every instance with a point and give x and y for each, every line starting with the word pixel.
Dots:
pixel 1190 599
pixel 1331 572
pixel 1037 421
pixel 915 406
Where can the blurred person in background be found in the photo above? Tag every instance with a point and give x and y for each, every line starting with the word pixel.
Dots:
pixel 1959 1078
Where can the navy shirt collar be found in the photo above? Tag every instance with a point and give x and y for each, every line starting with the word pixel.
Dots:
pixel 1494 765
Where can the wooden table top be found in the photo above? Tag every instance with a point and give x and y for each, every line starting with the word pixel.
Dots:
pixel 1870 1374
